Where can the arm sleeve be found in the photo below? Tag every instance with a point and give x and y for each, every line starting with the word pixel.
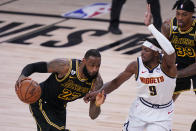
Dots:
pixel 163 41
pixel 40 67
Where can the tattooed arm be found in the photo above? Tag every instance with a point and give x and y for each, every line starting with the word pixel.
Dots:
pixel 94 109
pixel 61 66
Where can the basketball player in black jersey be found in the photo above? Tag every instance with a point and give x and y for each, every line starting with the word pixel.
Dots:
pixel 70 80
pixel 181 31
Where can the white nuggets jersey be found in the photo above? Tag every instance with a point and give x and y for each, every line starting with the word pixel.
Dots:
pixel 154 85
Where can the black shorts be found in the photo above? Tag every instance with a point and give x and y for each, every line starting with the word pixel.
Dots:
pixel 184 84
pixel 47 118
pixel 193 127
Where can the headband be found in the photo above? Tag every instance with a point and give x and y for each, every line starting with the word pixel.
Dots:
pixel 151 46
pixel 185 5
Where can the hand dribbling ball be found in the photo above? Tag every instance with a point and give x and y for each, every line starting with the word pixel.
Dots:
pixel 29 91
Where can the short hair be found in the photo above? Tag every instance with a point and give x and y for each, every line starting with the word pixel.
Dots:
pixel 92 52
pixel 186 5
pixel 154 42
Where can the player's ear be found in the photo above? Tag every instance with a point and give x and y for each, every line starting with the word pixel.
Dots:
pixel 83 60
pixel 156 53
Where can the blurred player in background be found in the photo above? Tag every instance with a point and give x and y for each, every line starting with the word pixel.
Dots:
pixel 181 31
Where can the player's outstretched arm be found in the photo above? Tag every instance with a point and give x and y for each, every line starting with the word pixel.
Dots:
pixel 115 83
pixel 121 78
pixel 97 96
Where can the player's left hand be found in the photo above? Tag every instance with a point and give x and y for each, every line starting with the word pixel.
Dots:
pixel 90 96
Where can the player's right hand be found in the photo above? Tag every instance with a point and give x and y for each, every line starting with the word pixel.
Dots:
pixel 20 79
pixel 148 16
pixel 100 98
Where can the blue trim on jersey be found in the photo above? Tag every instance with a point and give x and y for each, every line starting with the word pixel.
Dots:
pixel 138 69
pixel 155 106
pixel 126 125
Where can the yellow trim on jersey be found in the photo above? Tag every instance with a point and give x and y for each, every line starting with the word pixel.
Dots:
pixel 175 32
pixel 92 86
pixel 192 35
pixel 185 32
pixel 70 67
pixel 34 118
pixel 194 21
pixel 195 35
pixel 171 27
pixel 181 32
pixel 189 30
pixel 47 119
pixel 178 92
pixel 137 73
pixel 77 72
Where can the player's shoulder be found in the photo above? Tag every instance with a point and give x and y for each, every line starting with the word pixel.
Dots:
pixel 168 20
pixel 167 27
pixel 194 20
pixel 133 63
pixel 132 66
pixel 168 23
pixel 64 61
pixel 59 65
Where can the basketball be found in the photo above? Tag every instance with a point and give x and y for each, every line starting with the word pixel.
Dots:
pixel 29 91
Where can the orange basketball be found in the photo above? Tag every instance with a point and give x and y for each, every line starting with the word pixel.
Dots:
pixel 29 91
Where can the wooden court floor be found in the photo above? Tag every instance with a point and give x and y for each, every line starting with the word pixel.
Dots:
pixel 33 30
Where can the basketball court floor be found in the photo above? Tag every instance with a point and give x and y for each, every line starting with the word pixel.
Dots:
pixel 34 30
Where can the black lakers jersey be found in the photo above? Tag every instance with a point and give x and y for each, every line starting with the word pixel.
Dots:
pixel 59 91
pixel 184 43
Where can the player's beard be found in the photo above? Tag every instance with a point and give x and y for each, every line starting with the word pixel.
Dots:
pixel 181 24
pixel 90 78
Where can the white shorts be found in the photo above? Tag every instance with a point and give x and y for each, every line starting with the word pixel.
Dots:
pixel 142 117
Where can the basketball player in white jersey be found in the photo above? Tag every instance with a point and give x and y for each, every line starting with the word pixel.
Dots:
pixel 155 75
